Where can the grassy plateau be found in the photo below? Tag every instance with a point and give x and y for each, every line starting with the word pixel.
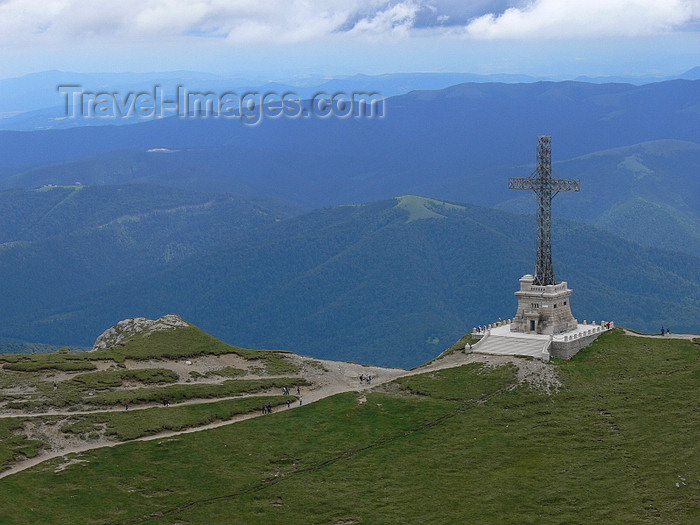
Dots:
pixel 616 443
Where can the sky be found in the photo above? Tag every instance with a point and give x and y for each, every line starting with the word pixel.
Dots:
pixel 280 39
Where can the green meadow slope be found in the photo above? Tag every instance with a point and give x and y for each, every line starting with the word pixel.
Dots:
pixel 615 443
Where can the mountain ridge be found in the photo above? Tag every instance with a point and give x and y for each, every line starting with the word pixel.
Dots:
pixel 360 282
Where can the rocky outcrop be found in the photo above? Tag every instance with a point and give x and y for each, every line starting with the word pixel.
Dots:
pixel 125 329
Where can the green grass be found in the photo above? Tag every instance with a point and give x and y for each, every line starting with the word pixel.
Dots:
pixel 14 444
pixel 115 378
pixel 182 343
pixel 73 393
pixel 133 424
pixel 177 393
pixel 449 383
pixel 276 364
pixel 616 444
pixel 38 362
pixel 227 371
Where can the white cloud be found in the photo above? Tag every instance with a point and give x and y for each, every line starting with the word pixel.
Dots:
pixel 393 20
pixel 239 21
pixel 583 19
pixel 251 22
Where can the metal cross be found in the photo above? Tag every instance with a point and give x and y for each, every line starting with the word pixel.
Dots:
pixel 545 187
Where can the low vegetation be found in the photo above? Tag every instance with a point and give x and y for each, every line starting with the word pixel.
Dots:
pixel 15 443
pixel 184 343
pixel 228 371
pixel 37 363
pixel 617 443
pixel 125 426
pixel 179 393
pixel 116 378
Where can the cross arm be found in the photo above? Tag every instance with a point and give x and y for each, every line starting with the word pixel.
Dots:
pixel 536 183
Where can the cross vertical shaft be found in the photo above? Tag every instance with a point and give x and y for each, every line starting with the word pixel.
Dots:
pixel 545 188
pixel 544 268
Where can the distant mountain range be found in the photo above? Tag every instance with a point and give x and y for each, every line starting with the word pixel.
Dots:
pixel 210 218
pixel 635 148
pixel 32 102
pixel 391 282
pixel 453 131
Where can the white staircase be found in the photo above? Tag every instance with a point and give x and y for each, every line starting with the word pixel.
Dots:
pixel 509 345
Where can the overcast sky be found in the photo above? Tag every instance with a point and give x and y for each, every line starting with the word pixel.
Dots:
pixel 277 39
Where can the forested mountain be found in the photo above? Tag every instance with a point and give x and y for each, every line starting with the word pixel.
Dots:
pixel 390 282
pixel 646 193
pixel 62 241
pixel 635 148
pixel 361 281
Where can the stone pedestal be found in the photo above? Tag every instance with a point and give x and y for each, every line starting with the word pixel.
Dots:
pixel 543 309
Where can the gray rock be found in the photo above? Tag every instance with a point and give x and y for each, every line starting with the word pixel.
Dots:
pixel 125 329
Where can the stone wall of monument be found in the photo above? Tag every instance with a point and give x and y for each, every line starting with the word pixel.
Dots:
pixel 546 307
pixel 568 349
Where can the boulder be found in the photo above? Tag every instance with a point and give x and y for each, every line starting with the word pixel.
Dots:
pixel 127 328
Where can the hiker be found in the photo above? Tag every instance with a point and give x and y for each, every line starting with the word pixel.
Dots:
pixel 300 402
pixel 298 391
pixel 668 330
pixel 269 408
pixel 663 332
pixel 288 403
pixel 55 386
pixel 362 378
pixel 126 405
pixel 264 408
pixel 369 379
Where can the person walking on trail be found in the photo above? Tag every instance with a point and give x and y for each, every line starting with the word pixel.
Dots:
pixel 663 332
pixel 288 403
pixel 301 402
pixel 298 391
pixel 126 405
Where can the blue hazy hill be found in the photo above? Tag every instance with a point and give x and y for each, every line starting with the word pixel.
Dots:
pixel 390 282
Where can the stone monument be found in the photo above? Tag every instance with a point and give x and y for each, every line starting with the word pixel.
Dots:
pixel 543 303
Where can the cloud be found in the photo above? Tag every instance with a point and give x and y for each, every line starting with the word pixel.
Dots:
pixel 239 21
pixel 251 22
pixel 395 20
pixel 592 18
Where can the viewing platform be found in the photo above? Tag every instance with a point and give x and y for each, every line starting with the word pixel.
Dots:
pixel 498 339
